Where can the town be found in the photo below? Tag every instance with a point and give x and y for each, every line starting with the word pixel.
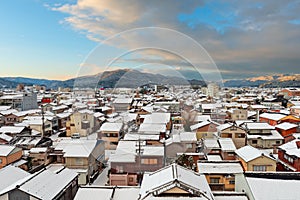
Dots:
pixel 150 142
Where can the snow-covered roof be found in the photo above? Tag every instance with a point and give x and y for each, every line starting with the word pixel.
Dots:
pixel 201 118
pixel 259 126
pixel 109 126
pixel 214 157
pixel 226 144
pixel 291 148
pixel 75 147
pixel 131 136
pixel 5 150
pixel 11 129
pixel 224 126
pixel 115 193
pixel 286 126
pixel 275 135
pixel 63 115
pixel 123 100
pixel 258 106
pixel 220 167
pixel 248 153
pixel 199 125
pixel 157 118
pixel 266 188
pixel 38 150
pixel 5 137
pixel 13 176
pixel 8 112
pixel 125 152
pixel 272 116
pixel 152 128
pixel 164 180
pixel 47 184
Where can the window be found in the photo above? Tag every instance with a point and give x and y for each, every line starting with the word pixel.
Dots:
pixel 119 169
pixel 240 135
pixel 0 160
pixel 85 125
pixel 254 141
pixel 78 161
pixel 262 168
pixel 149 161
pixel 288 158
pixel 277 141
pixel 232 182
pixel 214 180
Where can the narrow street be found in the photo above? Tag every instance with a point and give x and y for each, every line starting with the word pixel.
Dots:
pixel 102 178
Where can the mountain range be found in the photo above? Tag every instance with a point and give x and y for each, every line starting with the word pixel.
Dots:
pixel 108 79
pixel 134 78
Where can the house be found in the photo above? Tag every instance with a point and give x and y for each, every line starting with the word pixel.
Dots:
pixel 184 142
pixel 174 181
pixel 122 104
pixel 82 122
pixel 111 133
pixel 262 135
pixel 290 92
pixel 131 159
pixel 295 110
pixel 239 114
pixel 63 118
pixel 231 130
pixel 286 129
pixel 9 116
pixel 40 156
pixel 253 159
pixel 223 147
pixel 220 175
pixel 86 157
pixel 15 130
pixel 205 129
pixel 271 185
pixel 271 118
pixel 289 156
pixel 159 118
pixel 12 176
pixel 44 185
pixel 9 154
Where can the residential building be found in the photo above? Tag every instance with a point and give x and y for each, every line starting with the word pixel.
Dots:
pixel 9 154
pixel 205 129
pixel 253 159
pixel 173 182
pixel 82 122
pixel 82 155
pixel 289 156
pixel 262 135
pixel 287 129
pixel 220 175
pixel 132 159
pixel 111 133
pixel 231 130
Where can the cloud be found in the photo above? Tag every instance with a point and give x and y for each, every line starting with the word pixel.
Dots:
pixel 241 36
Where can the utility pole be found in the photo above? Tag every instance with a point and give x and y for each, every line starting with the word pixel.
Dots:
pixel 43 121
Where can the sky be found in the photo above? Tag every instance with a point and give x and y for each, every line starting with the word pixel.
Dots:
pixel 61 39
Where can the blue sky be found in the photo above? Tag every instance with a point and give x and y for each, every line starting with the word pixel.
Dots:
pixel 35 44
pixel 54 39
